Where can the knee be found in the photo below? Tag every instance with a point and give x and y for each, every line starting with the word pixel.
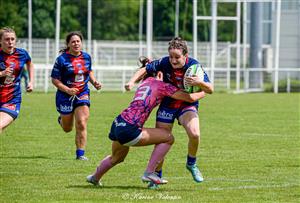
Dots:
pixel 81 124
pixel 171 139
pixel 67 128
pixel 194 135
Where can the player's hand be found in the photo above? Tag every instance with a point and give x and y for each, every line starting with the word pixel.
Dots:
pixel 72 91
pixel 129 86
pixel 193 81
pixel 97 85
pixel 7 72
pixel 29 87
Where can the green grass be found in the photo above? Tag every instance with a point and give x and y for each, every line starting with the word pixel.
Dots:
pixel 250 147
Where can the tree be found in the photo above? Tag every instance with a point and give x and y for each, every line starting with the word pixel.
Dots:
pixel 14 14
pixel 115 20
pixel 43 18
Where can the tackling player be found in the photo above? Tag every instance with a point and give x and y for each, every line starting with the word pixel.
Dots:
pixel 127 129
pixel 12 63
pixel 173 68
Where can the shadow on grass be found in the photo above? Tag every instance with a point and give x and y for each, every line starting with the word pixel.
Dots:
pixel 28 157
pixel 123 187
pixel 127 187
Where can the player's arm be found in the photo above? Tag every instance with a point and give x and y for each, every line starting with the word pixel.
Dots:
pixel 135 78
pixel 205 86
pixel 59 85
pixel 31 76
pixel 192 97
pixel 94 82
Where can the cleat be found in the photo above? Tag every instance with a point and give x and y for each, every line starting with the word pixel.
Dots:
pixel 82 158
pixel 91 179
pixel 153 177
pixel 197 176
pixel 153 186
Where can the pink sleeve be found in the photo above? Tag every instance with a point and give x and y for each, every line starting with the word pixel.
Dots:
pixel 169 89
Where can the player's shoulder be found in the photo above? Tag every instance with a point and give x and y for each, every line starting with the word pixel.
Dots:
pixel 85 54
pixel 192 61
pixel 21 51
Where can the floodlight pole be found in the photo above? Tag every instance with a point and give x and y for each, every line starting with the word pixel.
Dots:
pixel 278 15
pixel 57 29
pixel 213 39
pixel 177 18
pixel 195 34
pixel 141 13
pixel 149 27
pixel 30 27
pixel 89 48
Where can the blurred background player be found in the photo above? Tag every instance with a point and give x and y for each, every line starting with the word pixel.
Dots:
pixel 12 63
pixel 71 73
pixel 173 68
pixel 25 77
pixel 127 129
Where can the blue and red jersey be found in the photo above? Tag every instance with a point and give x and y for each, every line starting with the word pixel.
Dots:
pixel 148 95
pixel 10 86
pixel 173 76
pixel 73 71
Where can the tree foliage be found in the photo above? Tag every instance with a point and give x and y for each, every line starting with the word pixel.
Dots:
pixel 113 19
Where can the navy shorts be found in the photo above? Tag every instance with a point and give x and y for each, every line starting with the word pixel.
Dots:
pixel 66 104
pixel 125 133
pixel 168 115
pixel 11 107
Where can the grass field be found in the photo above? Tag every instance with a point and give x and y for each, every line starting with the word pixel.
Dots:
pixel 250 152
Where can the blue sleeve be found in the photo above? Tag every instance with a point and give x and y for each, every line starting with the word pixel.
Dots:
pixel 56 71
pixel 153 67
pixel 206 78
pixel 27 57
pixel 90 62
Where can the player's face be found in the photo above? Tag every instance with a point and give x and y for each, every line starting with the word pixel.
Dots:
pixel 177 59
pixel 75 45
pixel 8 42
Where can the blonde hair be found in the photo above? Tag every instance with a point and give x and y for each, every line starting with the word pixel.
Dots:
pixel 4 30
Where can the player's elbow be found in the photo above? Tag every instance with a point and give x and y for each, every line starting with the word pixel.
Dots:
pixel 209 89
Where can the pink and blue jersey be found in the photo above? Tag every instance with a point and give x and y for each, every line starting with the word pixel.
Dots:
pixel 10 86
pixel 173 76
pixel 148 95
pixel 73 71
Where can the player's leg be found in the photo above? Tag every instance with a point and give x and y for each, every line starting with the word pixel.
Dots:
pixel 66 122
pixel 190 121
pixel 5 120
pixel 163 141
pixel 64 107
pixel 9 112
pixel 119 153
pixel 81 115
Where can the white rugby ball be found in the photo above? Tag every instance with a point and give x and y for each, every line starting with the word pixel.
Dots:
pixel 193 70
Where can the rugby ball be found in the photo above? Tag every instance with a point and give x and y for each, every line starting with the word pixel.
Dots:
pixel 193 70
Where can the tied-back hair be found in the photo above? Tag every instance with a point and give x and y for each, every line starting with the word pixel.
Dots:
pixel 6 29
pixel 143 61
pixel 178 43
pixel 68 38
